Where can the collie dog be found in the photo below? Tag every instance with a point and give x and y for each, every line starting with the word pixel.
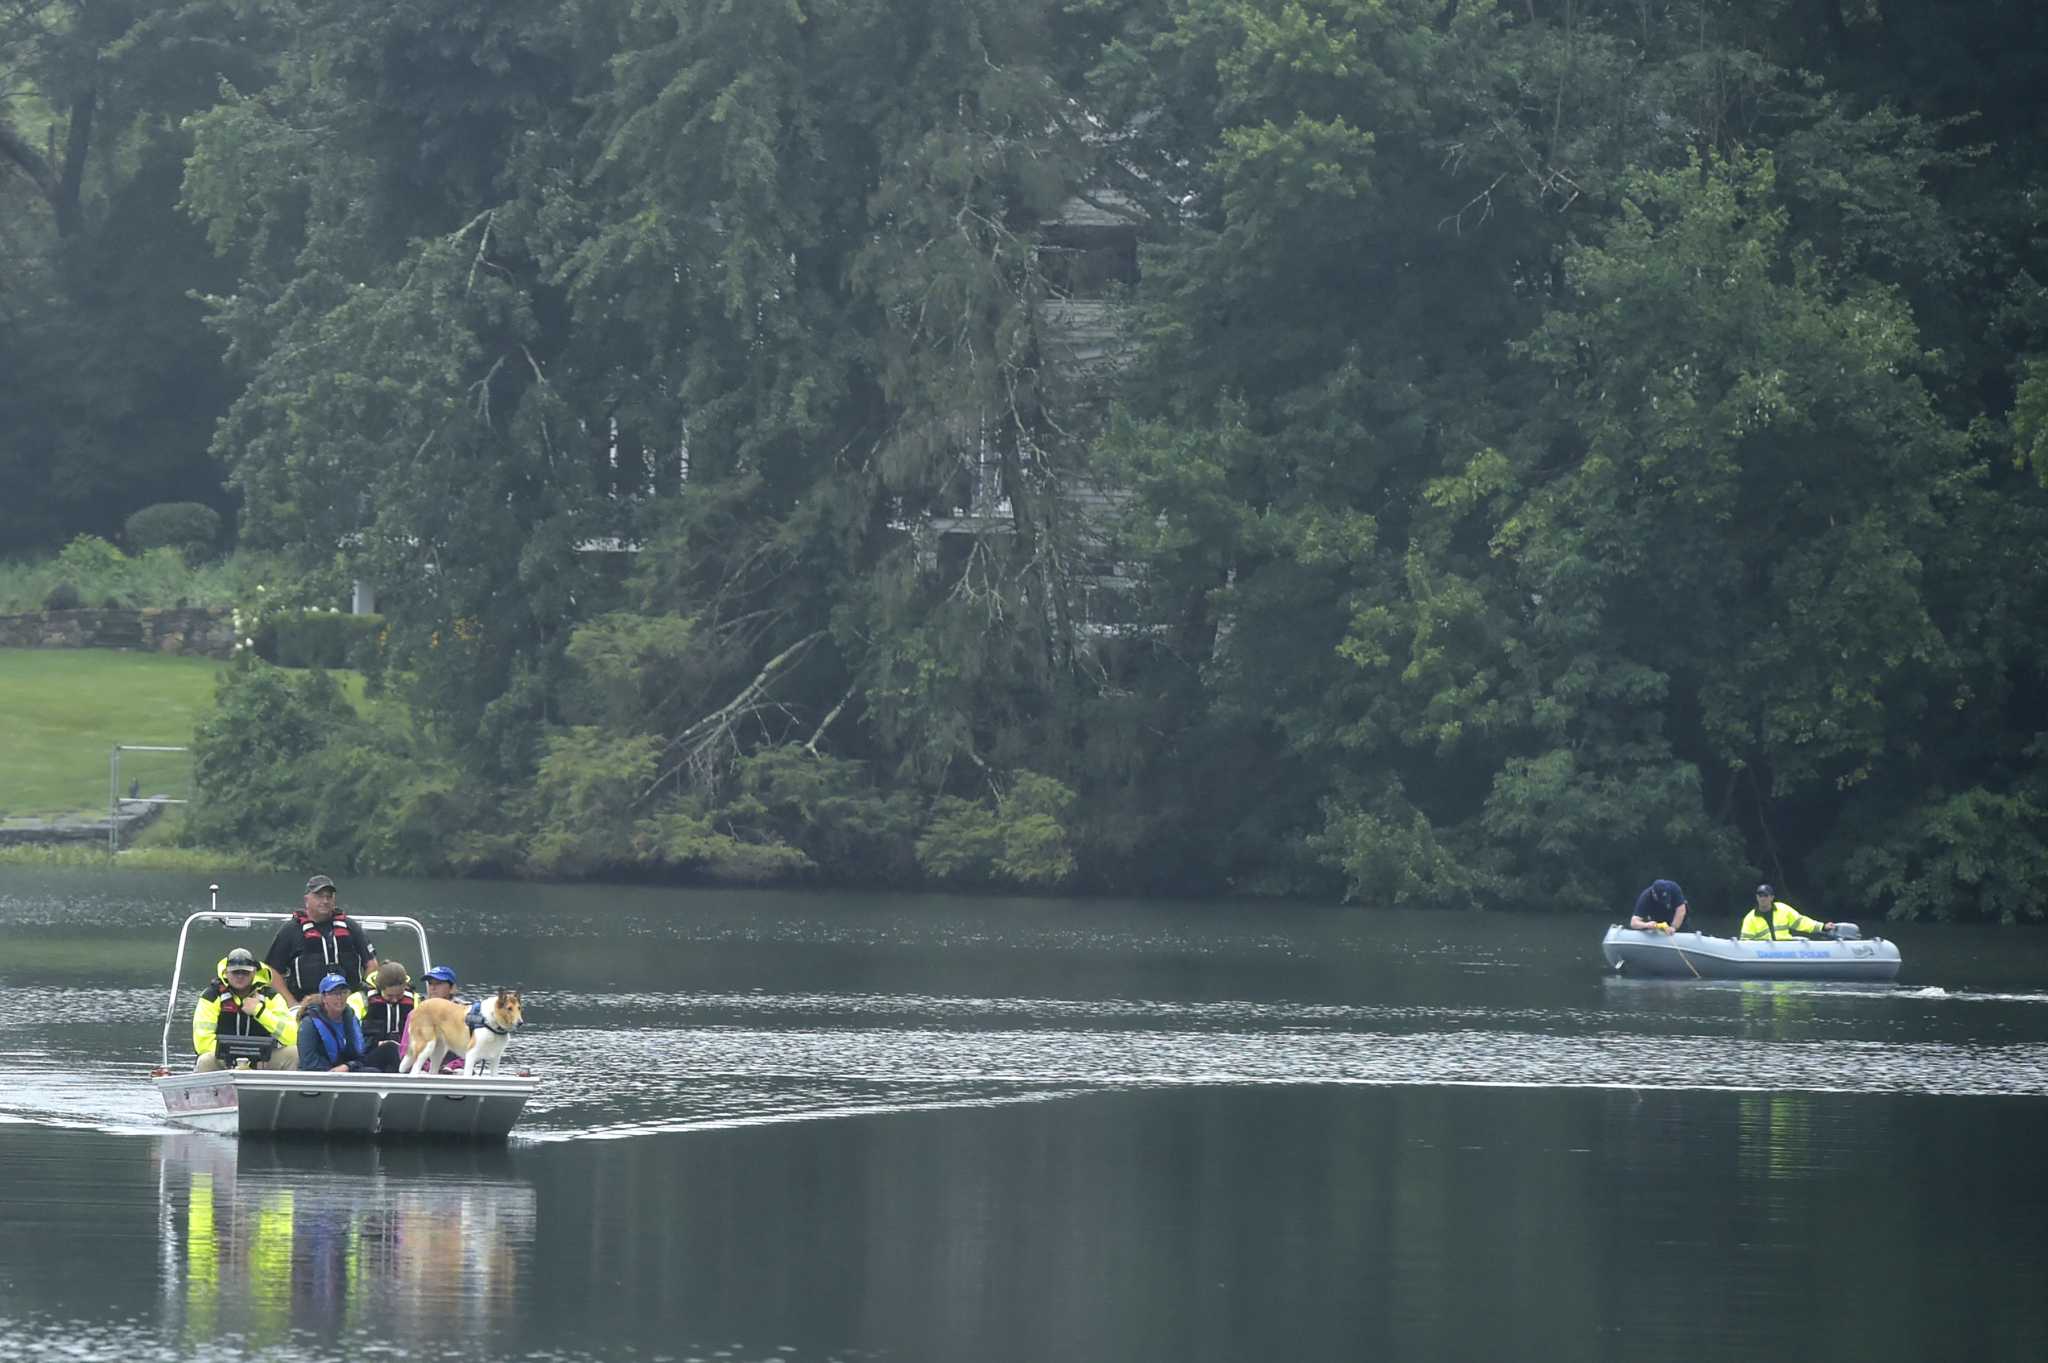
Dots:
pixel 477 1032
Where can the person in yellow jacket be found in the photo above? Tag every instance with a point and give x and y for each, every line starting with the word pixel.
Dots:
pixel 1773 919
pixel 239 1003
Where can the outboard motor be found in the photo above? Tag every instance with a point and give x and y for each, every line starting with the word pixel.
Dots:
pixel 1848 932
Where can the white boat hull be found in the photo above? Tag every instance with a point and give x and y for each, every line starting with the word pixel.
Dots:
pixel 274 1102
pixel 1696 956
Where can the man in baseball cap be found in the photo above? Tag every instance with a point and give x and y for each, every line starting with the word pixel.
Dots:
pixel 320 938
pixel 236 1007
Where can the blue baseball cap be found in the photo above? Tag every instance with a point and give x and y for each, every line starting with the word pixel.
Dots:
pixel 331 982
pixel 442 973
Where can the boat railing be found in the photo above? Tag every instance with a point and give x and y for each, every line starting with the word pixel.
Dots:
pixel 239 918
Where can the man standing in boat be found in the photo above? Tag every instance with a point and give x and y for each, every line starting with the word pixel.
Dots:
pixel 1773 918
pixel 1659 908
pixel 318 941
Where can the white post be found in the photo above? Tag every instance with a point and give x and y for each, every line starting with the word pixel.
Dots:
pixel 364 602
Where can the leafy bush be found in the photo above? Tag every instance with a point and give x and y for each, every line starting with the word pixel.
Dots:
pixel 286 771
pixel 1977 855
pixel 582 801
pixel 63 597
pixel 92 562
pixel 160 577
pixel 1022 841
pixel 319 639
pixel 247 760
pixel 191 528
pixel 828 809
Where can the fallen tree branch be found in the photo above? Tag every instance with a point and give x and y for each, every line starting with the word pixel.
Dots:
pixel 826 723
pixel 715 728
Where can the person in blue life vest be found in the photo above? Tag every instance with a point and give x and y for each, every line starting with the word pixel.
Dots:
pixel 385 1015
pixel 319 939
pixel 1659 908
pixel 330 1037
pixel 1772 919
pixel 239 1002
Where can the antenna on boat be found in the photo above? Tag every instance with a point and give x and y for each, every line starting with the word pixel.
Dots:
pixel 213 904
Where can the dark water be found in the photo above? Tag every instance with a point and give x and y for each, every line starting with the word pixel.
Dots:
pixel 845 1127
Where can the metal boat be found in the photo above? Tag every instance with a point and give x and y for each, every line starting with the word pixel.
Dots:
pixel 258 1102
pixel 1696 956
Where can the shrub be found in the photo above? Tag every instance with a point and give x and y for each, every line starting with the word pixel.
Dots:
pixel 319 639
pixel 191 528
pixel 63 597
pixel 248 757
pixel 90 560
pixel 95 571
pixel 288 773
pixel 826 808
pixel 1022 841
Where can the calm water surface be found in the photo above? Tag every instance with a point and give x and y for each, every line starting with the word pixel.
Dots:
pixel 780 1126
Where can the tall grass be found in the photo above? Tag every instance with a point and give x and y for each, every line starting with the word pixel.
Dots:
pixel 98 574
pixel 94 856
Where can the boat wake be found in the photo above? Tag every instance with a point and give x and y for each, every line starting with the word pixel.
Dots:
pixel 640 1064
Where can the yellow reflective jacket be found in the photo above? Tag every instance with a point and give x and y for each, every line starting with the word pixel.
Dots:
pixel 261 1007
pixel 1787 921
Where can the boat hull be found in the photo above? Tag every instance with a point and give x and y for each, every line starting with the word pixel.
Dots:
pixel 1692 955
pixel 365 1106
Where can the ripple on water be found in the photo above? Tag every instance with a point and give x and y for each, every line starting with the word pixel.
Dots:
pixel 642 1062
pixel 148 1341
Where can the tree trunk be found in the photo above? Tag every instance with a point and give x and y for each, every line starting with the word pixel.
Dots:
pixel 77 143
pixel 30 162
pixel 60 188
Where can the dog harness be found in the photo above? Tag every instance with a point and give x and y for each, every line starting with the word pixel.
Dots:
pixel 478 1023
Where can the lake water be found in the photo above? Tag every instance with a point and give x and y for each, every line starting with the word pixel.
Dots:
pixel 819 1126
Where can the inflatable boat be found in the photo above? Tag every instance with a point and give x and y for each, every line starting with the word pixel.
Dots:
pixel 1695 956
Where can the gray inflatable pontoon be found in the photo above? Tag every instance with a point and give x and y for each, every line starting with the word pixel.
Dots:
pixel 1695 956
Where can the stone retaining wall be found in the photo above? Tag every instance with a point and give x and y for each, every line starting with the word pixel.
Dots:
pixel 199 632
pixel 132 816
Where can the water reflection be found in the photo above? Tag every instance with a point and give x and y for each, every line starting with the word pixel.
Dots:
pixel 261 1240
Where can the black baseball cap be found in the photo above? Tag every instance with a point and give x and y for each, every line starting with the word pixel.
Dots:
pixel 1765 889
pixel 316 883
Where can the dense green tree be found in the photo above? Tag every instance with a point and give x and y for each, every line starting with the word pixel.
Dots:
pixel 1556 442
pixel 113 383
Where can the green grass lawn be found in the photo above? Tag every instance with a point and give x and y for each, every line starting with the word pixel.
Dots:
pixel 62 710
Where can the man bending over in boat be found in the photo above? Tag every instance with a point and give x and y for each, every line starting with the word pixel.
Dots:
pixel 1772 918
pixel 331 1037
pixel 1659 908
pixel 239 1004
